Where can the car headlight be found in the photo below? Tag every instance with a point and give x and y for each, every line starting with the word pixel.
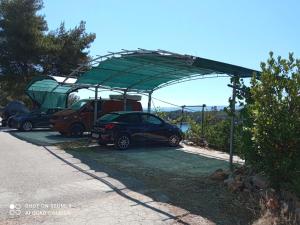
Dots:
pixel 65 117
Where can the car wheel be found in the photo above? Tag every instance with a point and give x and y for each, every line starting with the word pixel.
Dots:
pixel 77 130
pixel 27 126
pixel 122 142
pixel 3 123
pixel 174 140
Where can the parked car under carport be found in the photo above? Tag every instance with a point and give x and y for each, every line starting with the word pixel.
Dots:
pixel 11 109
pixel 123 128
pixel 34 119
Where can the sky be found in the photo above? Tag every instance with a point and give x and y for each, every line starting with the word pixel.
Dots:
pixel 237 32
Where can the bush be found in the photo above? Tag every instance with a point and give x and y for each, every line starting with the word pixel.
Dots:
pixel 274 115
pixel 216 133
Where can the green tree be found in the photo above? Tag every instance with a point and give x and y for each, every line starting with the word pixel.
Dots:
pixel 68 49
pixel 27 48
pixel 274 115
pixel 21 37
pixel 21 44
pixel 158 112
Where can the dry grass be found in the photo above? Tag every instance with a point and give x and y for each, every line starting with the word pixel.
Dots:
pixel 269 219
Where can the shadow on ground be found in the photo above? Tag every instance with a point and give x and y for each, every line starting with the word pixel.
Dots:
pixel 169 175
pixel 42 137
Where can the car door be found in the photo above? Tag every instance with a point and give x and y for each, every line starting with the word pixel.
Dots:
pixel 43 119
pixel 86 115
pixel 154 128
pixel 132 124
pixel 36 119
pixel 89 112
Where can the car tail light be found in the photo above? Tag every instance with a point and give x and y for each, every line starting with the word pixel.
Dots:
pixel 109 126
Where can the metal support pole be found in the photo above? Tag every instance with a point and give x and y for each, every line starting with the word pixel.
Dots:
pixel 149 101
pixel 202 122
pixel 125 101
pixel 67 100
pixel 232 126
pixel 182 111
pixel 96 105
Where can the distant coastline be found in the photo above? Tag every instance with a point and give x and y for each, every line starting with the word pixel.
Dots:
pixel 170 109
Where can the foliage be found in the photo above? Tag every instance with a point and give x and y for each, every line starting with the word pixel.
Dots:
pixel 67 49
pixel 194 132
pixel 21 35
pixel 217 135
pixel 216 132
pixel 27 50
pixel 158 112
pixel 196 115
pixel 274 120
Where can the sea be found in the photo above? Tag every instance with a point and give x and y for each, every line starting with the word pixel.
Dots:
pixel 183 127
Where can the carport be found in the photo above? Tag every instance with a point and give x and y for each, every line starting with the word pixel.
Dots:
pixel 47 93
pixel 145 71
pixel 139 71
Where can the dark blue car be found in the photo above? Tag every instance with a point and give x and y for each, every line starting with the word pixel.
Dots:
pixel 124 128
pixel 34 119
pixel 11 109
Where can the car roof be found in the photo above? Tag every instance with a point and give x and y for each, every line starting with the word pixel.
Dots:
pixel 130 112
pixel 106 99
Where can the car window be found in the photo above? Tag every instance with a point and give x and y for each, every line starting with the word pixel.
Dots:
pixel 79 104
pixel 108 117
pixel 130 118
pixel 128 106
pixel 151 119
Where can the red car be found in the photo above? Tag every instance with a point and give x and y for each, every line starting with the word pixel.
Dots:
pixel 79 117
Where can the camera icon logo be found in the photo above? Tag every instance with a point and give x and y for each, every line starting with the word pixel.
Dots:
pixel 14 209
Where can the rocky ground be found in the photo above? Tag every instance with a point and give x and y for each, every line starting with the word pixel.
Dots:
pixel 275 207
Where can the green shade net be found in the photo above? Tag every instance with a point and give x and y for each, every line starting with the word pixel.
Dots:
pixel 150 71
pixel 48 93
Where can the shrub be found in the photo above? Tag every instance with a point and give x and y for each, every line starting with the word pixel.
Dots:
pixel 216 133
pixel 274 121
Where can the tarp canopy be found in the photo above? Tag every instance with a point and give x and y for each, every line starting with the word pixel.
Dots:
pixel 48 93
pixel 146 71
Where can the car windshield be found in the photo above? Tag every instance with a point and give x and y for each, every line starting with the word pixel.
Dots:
pixel 79 104
pixel 108 117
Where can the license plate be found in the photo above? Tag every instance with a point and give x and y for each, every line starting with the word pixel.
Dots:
pixel 94 135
